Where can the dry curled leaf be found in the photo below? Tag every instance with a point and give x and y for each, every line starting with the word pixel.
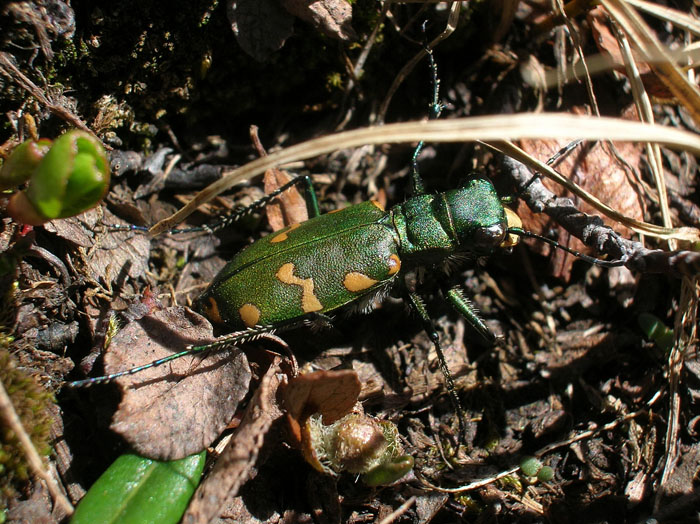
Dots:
pixel 333 17
pixel 331 394
pixel 289 207
pixel 176 409
pixel 262 26
pixel 335 435
pixel 235 463
pixel 597 171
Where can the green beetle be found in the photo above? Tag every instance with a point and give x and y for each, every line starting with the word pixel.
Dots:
pixel 354 256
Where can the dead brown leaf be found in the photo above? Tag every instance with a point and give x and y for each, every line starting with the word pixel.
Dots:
pixel 289 207
pixel 109 255
pixel 329 393
pixel 235 463
pixel 179 408
pixel 261 26
pixel 607 44
pixel 598 172
pixel 333 17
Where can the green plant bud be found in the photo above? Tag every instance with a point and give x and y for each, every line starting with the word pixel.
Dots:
pixel 530 466
pixel 72 177
pixel 358 444
pixel 22 162
pixel 389 472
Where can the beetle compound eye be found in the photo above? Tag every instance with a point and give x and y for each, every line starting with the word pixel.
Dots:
pixel 491 236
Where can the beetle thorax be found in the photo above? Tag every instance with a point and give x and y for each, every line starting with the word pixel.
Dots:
pixel 470 220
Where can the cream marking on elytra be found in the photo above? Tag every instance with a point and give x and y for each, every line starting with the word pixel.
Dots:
pixel 250 314
pixel 309 302
pixel 355 282
pixel 283 235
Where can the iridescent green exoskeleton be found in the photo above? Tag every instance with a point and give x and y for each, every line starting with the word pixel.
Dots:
pixel 353 256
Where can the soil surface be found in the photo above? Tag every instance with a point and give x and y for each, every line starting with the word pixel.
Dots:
pixel 573 377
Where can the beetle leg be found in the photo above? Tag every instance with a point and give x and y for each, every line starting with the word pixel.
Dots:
pixel 419 307
pixel 225 342
pixel 455 296
pixel 311 204
pixel 318 321
pixel 435 110
pixel 311 199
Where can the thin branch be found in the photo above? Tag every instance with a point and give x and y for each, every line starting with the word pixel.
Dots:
pixel 594 233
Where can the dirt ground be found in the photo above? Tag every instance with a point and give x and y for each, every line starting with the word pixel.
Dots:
pixel 574 377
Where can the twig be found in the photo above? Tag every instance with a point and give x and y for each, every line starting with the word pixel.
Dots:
pixel 360 64
pixel 403 508
pixel 9 69
pixel 592 232
pixel 686 336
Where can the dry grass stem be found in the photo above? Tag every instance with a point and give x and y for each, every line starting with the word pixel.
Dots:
pixel 486 128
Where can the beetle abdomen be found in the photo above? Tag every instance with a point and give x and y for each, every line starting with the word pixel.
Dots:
pixel 313 267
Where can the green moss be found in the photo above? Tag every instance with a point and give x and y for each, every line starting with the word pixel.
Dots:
pixel 31 402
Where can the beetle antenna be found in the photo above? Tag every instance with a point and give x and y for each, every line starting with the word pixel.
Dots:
pixel 559 155
pixel 229 341
pixel 435 110
pixel 592 260
pixel 238 212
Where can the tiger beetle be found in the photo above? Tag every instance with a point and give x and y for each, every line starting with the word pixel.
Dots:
pixel 352 257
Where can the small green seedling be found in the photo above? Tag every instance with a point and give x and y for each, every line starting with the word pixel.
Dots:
pixel 64 178
pixel 657 331
pixel 532 467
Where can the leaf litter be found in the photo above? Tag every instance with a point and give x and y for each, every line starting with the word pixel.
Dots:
pixel 177 409
pixel 558 351
pixel 600 171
